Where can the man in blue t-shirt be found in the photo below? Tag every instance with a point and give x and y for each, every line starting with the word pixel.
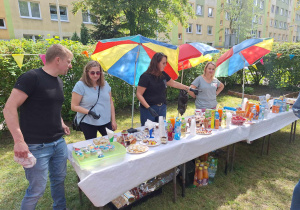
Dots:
pixel 38 94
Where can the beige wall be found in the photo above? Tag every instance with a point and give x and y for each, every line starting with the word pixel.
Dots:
pixel 45 26
pixel 4 34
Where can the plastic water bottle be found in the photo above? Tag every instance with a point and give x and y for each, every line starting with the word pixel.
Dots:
pixel 212 171
pixel 177 129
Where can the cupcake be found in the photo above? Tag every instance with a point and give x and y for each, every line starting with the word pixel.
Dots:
pixel 87 154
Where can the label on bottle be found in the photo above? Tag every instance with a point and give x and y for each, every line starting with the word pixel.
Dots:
pixel 204 182
pixel 200 182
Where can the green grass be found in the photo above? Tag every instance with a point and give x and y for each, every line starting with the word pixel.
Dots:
pixel 258 182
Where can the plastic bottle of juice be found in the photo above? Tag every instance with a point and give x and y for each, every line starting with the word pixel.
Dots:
pixel 217 120
pixel 172 119
pixel 257 111
pixel 212 124
pixel 205 176
pixel 170 131
pixel 212 171
pixel 183 127
pixel 177 129
pixel 220 111
pixel 223 122
pixel 195 183
pixel 200 176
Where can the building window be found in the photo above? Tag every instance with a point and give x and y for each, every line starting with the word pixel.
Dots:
pixel 277 10
pixel 275 23
pixel 286 13
pixel 209 43
pixel 280 24
pixel 226 31
pixel 261 4
pixel 2 23
pixel 253 32
pixel 199 10
pixel 198 29
pixel 210 12
pixel 289 14
pixel 190 28
pixel 29 9
pixel 192 5
pixel 273 8
pixel 270 34
pixel 62 11
pixel 274 35
pixel 209 30
pixel 66 37
pixel 259 34
pixel 260 20
pixel 227 16
pixel 255 2
pixel 220 38
pixel 221 22
pixel 86 17
pixel 278 37
pixel 293 38
pixel 254 18
pixel 33 37
pixel 179 36
pixel 271 22
pixel 281 11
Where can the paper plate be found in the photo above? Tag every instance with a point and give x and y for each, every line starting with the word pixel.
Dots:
pixel 138 149
pixel 146 144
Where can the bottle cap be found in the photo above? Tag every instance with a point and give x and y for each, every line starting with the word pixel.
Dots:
pixel 205 167
pixel 200 168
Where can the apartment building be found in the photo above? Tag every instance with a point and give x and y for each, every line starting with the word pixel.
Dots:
pixel 35 19
pixel 278 19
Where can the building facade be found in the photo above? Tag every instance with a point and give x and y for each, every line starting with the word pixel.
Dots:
pixel 278 19
pixel 35 19
pixel 39 19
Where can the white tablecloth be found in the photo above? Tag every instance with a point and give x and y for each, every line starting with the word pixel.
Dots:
pixel 104 183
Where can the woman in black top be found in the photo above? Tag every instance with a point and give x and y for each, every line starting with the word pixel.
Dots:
pixel 151 90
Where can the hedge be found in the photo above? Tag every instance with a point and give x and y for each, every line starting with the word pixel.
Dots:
pixel 280 73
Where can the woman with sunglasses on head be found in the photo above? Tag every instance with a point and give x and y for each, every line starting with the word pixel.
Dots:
pixel 91 99
pixel 151 90
pixel 209 87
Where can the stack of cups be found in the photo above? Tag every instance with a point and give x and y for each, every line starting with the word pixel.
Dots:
pixel 193 127
pixel 161 126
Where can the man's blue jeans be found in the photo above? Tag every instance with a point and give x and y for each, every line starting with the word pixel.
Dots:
pixel 50 157
pixel 296 197
pixel 145 114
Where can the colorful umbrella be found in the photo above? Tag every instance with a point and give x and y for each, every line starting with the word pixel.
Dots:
pixel 129 57
pixel 192 54
pixel 241 55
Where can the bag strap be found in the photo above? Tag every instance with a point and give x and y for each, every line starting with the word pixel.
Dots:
pixel 92 106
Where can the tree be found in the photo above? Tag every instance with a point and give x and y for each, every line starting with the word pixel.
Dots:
pixel 84 34
pixel 241 14
pixel 145 17
pixel 75 37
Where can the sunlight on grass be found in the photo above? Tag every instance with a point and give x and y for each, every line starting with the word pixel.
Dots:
pixel 257 182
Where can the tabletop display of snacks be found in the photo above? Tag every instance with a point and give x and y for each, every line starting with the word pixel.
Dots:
pixel 203 131
pixel 136 149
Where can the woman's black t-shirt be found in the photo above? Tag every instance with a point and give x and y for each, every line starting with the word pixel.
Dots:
pixel 155 92
pixel 40 114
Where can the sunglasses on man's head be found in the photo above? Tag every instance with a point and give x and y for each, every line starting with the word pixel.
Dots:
pixel 93 73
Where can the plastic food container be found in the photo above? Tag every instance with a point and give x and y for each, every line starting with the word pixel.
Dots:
pixel 109 158
pixel 237 120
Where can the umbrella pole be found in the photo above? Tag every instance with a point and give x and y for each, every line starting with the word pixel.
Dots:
pixel 243 83
pixel 132 110
pixel 133 87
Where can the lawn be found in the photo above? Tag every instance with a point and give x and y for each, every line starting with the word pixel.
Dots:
pixel 257 182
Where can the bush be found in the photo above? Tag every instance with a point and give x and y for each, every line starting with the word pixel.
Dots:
pixel 249 90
